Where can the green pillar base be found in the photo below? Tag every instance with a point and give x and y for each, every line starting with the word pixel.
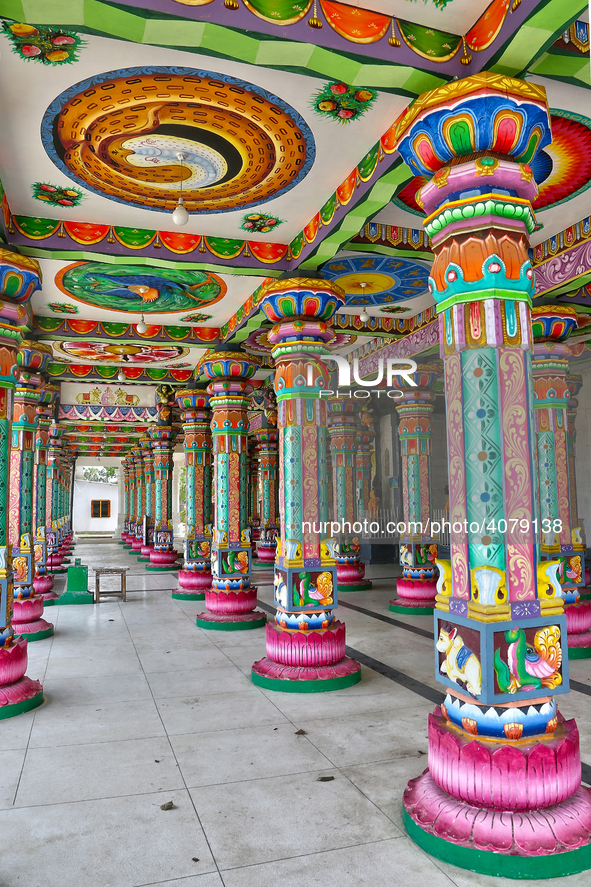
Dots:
pixel 75 597
pixel 269 564
pixel 317 686
pixel 143 560
pixel 188 597
pixel 579 652
pixel 56 570
pixel 121 542
pixel 126 545
pixel 231 626
pixel 19 708
pixel 362 586
pixel 37 635
pixel 485 862
pixel 411 611
pixel 163 569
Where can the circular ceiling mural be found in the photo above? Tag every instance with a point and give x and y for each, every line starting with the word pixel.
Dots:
pixel 378 280
pixel 119 353
pixel 118 134
pixel 139 290
pixel 562 169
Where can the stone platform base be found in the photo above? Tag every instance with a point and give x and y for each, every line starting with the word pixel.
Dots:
pixel 38 632
pixel 231 621
pixel 302 679
pixel 22 696
pixel 180 595
pixel 526 845
pixel 408 608
pixel 355 586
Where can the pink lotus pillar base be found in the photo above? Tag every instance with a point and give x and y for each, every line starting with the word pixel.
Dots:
pixel 351 577
pixel 266 555
pixel 231 610
pixel 193 585
pixel 578 626
pixel 306 661
pixel 27 619
pixel 43 588
pixel 163 559
pixel 136 544
pixel 414 597
pixel 18 693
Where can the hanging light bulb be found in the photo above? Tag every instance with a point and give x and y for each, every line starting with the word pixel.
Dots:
pixel 364 316
pixel 180 215
pixel 121 376
pixel 141 326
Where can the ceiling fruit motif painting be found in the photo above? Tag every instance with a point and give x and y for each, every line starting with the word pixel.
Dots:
pixel 119 133
pixel 342 102
pixel 377 280
pixel 139 290
pixel 51 46
pixel 109 353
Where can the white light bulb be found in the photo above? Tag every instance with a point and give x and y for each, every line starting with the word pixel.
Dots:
pixel 121 376
pixel 141 326
pixel 180 216
pixel 364 316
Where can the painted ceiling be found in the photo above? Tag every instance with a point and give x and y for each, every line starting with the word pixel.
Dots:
pixel 275 120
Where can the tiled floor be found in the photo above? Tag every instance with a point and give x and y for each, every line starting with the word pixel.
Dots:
pixel 143 708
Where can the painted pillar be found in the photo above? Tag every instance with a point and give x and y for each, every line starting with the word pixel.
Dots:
pixel 127 469
pixel 32 359
pixel 140 501
pixel 267 455
pixel 305 644
pixel 363 458
pixel 485 803
pixel 418 549
pixel 560 544
pixel 253 475
pixel 19 278
pixel 575 383
pixel 342 438
pixel 43 581
pixel 164 555
pixel 195 577
pixel 147 527
pixel 55 555
pixel 120 501
pixel 231 600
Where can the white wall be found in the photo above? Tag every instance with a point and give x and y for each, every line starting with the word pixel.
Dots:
pixel 84 492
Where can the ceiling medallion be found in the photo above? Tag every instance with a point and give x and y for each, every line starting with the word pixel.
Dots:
pixel 377 280
pixel 138 289
pixel 119 135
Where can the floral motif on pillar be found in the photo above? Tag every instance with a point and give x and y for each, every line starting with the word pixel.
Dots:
pixel 43 581
pixel 418 548
pixel 561 540
pixel 164 555
pixel 195 578
pixel 19 278
pixel 342 441
pixel 231 600
pixel 500 630
pixel 305 644
pixel 32 359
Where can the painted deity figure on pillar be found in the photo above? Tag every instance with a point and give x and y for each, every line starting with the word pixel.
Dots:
pixel 32 358
pixel 342 442
pixel 305 643
pixel 487 802
pixel 562 548
pixel 195 578
pixel 418 548
pixel 21 277
pixel 164 556
pixel 43 581
pixel 231 600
